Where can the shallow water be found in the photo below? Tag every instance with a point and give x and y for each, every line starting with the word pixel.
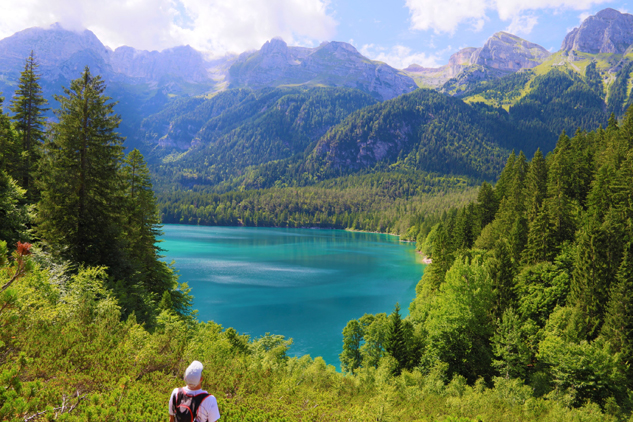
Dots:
pixel 304 284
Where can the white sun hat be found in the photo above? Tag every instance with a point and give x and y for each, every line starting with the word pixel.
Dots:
pixel 193 373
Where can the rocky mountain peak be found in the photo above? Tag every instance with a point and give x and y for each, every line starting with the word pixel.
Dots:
pixel 608 31
pixel 276 45
pixel 504 51
pixel 330 64
pixel 51 45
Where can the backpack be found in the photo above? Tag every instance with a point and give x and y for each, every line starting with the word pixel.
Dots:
pixel 186 406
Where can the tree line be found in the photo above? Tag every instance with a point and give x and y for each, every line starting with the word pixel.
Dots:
pixel 531 282
pixel 68 186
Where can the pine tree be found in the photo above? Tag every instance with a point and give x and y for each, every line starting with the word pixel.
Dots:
pixel 396 344
pixel 28 108
pixel 487 204
pixel 79 211
pixel 141 226
pixel 142 223
pixel 501 268
pixel 535 185
pixel 618 322
pixel 504 184
pixel 540 243
pixel 9 151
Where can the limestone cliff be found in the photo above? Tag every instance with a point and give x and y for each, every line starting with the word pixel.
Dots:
pixel 502 54
pixel 330 64
pixel 510 53
pixel 608 31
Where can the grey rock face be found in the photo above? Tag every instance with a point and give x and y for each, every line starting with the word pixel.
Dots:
pixel 330 64
pixel 181 62
pixel 508 52
pixel 608 31
pixel 502 54
pixel 58 51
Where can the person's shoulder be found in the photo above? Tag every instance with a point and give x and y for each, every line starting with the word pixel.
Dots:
pixel 210 400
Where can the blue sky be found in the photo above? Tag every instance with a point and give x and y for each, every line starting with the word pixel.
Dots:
pixel 399 32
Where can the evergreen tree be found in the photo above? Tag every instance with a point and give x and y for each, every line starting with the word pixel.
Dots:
pixel 396 343
pixel 9 151
pixel 618 322
pixel 28 108
pixel 501 268
pixel 561 208
pixel 510 347
pixel 540 246
pixel 506 179
pixel 535 185
pixel 599 254
pixel 487 204
pixel 80 207
pixel 142 225
pixel 14 213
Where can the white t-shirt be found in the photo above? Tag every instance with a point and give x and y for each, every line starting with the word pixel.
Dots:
pixel 208 410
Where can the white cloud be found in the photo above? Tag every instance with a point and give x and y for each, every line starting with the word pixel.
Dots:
pixel 399 56
pixel 447 15
pixel 522 24
pixel 444 16
pixel 220 26
pixel 583 16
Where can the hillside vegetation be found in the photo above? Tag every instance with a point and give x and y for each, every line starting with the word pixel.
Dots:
pixel 532 282
pixel 524 314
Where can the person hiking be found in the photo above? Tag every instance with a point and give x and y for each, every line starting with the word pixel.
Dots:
pixel 191 403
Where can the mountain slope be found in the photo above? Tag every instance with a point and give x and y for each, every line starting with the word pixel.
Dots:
pixel 209 141
pixel 425 130
pixel 331 64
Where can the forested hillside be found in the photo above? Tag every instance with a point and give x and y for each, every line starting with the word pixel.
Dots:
pixel 530 283
pixel 523 315
pixel 212 141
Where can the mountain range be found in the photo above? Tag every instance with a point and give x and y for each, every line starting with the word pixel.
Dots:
pixel 286 114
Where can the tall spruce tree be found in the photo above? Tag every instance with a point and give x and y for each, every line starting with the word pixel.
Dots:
pixel 80 206
pixel 535 185
pixel 28 108
pixel 141 224
pixel 396 344
pixel 9 151
pixel 618 324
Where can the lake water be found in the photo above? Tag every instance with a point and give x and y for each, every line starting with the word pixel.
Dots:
pixel 304 284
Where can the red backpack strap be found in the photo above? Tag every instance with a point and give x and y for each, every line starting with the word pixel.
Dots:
pixel 197 402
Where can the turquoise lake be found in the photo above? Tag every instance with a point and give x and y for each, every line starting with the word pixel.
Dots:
pixel 301 283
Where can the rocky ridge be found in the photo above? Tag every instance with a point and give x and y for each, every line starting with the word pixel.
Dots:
pixel 331 64
pixel 502 53
pixel 608 31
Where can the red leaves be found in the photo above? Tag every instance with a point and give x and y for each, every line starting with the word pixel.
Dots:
pixel 24 249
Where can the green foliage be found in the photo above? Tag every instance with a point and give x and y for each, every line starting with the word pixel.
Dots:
pixel 78 216
pixel 585 370
pixel 556 314
pixel 510 346
pixel 28 108
pixel 458 327
pixel 239 128
pixel 382 202
pixel 395 342
pixel 557 101
pixel 15 215
pixel 618 91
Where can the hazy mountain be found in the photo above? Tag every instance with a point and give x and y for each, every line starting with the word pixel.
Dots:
pixel 331 64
